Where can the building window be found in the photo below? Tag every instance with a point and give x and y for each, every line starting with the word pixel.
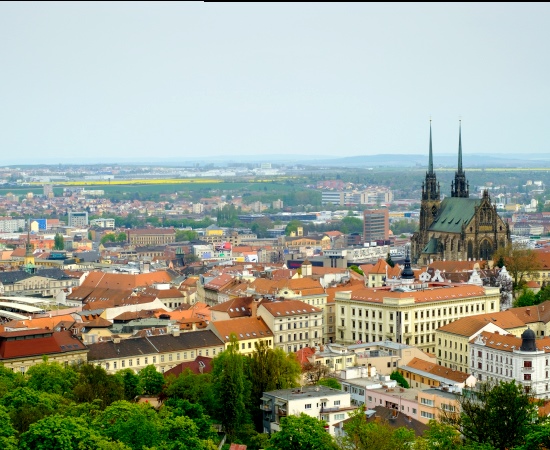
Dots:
pixel 426 415
pixel 307 406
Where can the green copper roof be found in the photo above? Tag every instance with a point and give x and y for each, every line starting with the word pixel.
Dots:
pixel 453 212
pixel 432 246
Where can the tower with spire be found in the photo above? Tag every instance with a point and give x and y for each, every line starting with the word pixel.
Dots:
pixel 29 256
pixel 460 187
pixel 429 207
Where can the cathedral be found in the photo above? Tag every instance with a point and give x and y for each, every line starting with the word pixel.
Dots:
pixel 458 227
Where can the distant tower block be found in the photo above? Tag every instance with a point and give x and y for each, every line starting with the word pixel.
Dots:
pixel 48 191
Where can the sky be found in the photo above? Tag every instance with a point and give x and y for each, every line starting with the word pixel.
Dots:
pixel 134 81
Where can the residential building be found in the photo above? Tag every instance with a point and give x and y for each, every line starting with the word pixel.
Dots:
pixel 452 339
pixel 249 331
pixel 408 314
pixel 77 219
pixel 525 359
pixel 321 402
pixel 294 324
pixel 164 351
pixel 45 282
pixel 20 350
pixel 103 223
pixel 376 225
pixel 151 236
pixel 424 374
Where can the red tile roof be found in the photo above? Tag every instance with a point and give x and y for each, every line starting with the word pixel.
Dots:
pixel 40 342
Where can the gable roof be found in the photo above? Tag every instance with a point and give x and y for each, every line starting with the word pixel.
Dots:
pixel 453 213
pixel 125 280
pixel 244 328
pixel 194 366
pixel 436 370
pixel 468 326
pixel 39 342
pixel 289 308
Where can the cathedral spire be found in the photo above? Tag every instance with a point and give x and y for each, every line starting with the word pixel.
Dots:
pixel 460 146
pixel 430 188
pixel 431 160
pixel 460 187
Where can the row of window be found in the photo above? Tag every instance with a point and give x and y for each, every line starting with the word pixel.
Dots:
pixel 146 360
pixel 298 336
pixel 457 309
pixel 296 325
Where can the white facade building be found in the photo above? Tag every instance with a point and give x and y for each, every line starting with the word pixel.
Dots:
pixel 321 402
pixel 497 357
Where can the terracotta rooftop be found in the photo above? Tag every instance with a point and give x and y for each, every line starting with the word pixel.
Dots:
pixel 438 370
pixel 289 308
pixel 125 280
pixel 38 342
pixel 245 328
pixel 194 366
pixel 431 294
pixel 468 326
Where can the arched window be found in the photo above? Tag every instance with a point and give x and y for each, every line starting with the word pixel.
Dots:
pixel 485 250
pixel 470 250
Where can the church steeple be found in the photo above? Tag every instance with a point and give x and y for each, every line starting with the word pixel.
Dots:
pixel 460 187
pixel 430 187
pixel 29 256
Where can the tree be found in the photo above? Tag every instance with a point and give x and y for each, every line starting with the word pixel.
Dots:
pixel 363 435
pixel 230 387
pixel 130 381
pixel 390 261
pixel 292 227
pixel 314 372
pixel 499 414
pixel 401 381
pixel 62 433
pixel 186 235
pixel 26 406
pixel 439 436
pixel 182 434
pixel 59 242
pixel 108 237
pixel 52 378
pixel 135 424
pixel 527 298
pixel 351 224
pixel 121 237
pixel 7 432
pixel 357 270
pixel 151 381
pixel 302 433
pixel 196 388
pixel 180 408
pixel 268 370
pixel 330 382
pixel 520 261
pixel 95 383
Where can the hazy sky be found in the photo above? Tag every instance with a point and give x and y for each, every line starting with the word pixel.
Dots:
pixel 162 80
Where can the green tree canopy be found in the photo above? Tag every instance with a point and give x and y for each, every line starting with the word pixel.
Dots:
pixel 151 381
pixel 401 381
pixel 62 433
pixel 363 435
pixel 330 382
pixel 135 424
pixel 52 377
pixel 231 387
pixel 59 242
pixel 302 433
pixel 499 414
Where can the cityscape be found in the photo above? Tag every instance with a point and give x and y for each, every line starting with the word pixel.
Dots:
pixel 262 226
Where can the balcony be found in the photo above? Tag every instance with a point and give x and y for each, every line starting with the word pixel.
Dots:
pixel 528 369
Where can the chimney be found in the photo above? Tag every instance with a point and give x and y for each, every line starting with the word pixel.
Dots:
pixel 254 308
pixel 176 331
pixel 528 311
